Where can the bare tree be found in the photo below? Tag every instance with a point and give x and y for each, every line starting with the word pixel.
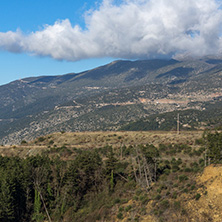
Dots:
pixel 144 166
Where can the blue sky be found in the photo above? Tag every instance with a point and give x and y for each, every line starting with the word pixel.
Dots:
pixel 32 15
pixel 51 37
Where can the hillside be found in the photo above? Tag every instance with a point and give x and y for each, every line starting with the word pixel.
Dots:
pixel 91 140
pixel 108 97
pixel 189 119
pixel 209 205
pixel 113 176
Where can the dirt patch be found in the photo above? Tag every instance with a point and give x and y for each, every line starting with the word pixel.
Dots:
pixel 209 206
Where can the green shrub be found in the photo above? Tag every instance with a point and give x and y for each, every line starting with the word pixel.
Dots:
pixel 197 196
pixel 182 178
pixel 124 201
pixel 41 139
pixel 187 169
pixel 128 208
pixel 183 212
pixel 51 142
pixel 145 201
pixel 185 190
pixel 120 216
pixel 196 169
pixel 163 187
pixel 138 192
pixel 142 197
pixel 162 147
pixel 179 161
pixel 157 197
pixel 117 200
pixel 177 205
pixel 175 167
pixel 173 160
pixel 120 209
pixel 23 142
pixel 143 210
pixel 164 204
pixel 193 187
pixel 166 171
pixel 135 198
pixel 167 193
pixel 167 162
pixel 199 141
pixel 174 195
pixel 159 190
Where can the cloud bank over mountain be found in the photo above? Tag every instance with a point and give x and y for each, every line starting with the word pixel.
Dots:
pixel 132 29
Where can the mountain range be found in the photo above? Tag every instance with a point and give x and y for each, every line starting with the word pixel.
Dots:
pixel 122 95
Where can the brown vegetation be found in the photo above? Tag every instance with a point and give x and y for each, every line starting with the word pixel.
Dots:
pixel 89 140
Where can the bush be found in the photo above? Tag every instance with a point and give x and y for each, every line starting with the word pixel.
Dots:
pixel 196 169
pixel 177 205
pixel 51 142
pixel 159 190
pixel 138 192
pixel 193 187
pixel 23 142
pixel 120 216
pixel 199 141
pixel 128 208
pixel 162 147
pixel 187 169
pixel 174 195
pixel 185 190
pixel 183 178
pixel 145 201
pixel 166 171
pixel 120 209
pixel 157 197
pixel 179 161
pixel 167 193
pixel 135 198
pixel 184 212
pixel 164 204
pixel 41 139
pixel 117 200
pixel 175 167
pixel 197 196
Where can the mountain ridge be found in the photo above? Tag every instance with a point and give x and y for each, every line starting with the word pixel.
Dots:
pixel 130 90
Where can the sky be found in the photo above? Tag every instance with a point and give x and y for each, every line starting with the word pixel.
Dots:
pixel 53 37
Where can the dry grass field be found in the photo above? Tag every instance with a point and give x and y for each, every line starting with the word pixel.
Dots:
pixel 88 140
pixel 115 139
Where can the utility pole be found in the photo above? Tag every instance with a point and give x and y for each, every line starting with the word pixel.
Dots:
pixel 178 124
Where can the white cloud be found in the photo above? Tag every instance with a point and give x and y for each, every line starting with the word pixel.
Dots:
pixel 132 29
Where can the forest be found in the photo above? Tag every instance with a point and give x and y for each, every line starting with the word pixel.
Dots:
pixel 96 181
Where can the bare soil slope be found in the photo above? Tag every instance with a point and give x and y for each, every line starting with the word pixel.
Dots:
pixel 209 206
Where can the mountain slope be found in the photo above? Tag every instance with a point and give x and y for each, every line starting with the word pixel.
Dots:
pixel 107 97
